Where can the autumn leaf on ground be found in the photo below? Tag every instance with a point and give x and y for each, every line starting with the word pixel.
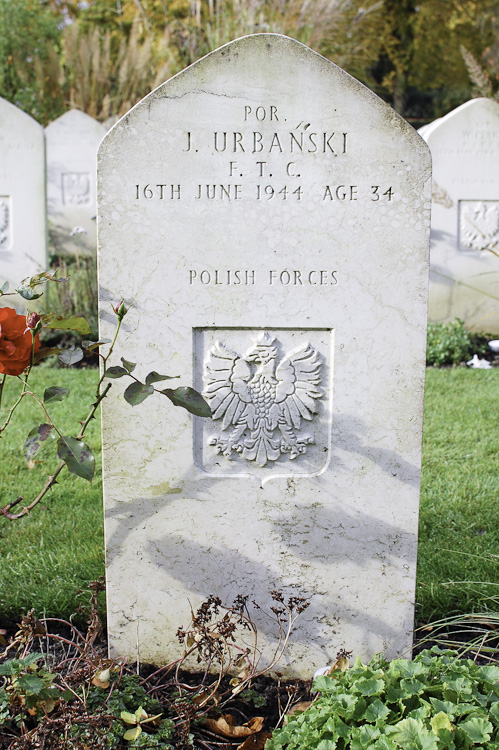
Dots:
pixel 226 726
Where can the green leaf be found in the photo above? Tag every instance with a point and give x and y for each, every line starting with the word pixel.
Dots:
pixel 46 352
pixel 189 399
pixel 477 729
pixel 490 674
pixel 137 392
pixel 376 711
pixel 35 438
pixel 383 743
pixel 77 456
pixel 155 377
pixel 26 292
pixel 440 721
pixel 130 366
pixel 73 323
pixel 132 734
pixel 411 687
pixel 71 356
pixel 494 713
pixel 412 733
pixel 128 718
pixel 54 393
pixel 369 687
pixel 91 345
pixel 31 683
pixel 4 287
pixel 115 372
pixel 445 706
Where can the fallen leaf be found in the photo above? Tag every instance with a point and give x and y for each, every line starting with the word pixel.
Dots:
pixel 226 726
pixel 102 679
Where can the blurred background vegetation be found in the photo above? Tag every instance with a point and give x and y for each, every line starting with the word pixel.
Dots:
pixel 424 57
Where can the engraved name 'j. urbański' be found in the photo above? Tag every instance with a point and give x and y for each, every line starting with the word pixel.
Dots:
pixel 261 402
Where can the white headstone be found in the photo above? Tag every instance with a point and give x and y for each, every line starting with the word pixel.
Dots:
pixel 23 227
pixel 269 217
pixel 464 269
pixel 72 143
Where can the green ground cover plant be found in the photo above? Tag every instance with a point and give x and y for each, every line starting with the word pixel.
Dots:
pixel 435 702
pixel 48 556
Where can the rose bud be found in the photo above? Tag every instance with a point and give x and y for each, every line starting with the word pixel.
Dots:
pixel 33 322
pixel 121 309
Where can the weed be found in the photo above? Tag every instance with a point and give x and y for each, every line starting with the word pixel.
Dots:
pixel 91 701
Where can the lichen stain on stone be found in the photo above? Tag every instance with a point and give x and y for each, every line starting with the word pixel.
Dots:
pixel 164 489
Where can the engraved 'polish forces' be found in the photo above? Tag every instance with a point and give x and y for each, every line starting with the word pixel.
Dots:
pixel 254 397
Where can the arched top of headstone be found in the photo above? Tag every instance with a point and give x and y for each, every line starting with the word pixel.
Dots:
pixel 15 116
pixel 250 66
pixel 473 113
pixel 75 119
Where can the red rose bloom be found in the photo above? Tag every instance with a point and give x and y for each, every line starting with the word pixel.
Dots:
pixel 15 342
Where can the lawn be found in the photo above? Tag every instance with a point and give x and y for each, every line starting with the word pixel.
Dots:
pixel 48 556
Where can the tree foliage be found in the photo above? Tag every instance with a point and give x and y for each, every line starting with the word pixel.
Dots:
pixel 29 47
pixel 102 56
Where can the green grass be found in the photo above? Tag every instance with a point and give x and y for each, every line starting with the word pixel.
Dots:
pixel 459 530
pixel 49 555
pixel 58 549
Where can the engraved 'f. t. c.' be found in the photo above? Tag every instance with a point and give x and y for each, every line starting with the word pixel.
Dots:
pixel 261 402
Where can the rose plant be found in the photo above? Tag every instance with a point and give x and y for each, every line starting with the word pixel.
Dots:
pixel 21 350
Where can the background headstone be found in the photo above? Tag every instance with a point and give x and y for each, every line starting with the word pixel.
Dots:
pixel 23 227
pixel 464 267
pixel 269 218
pixel 72 143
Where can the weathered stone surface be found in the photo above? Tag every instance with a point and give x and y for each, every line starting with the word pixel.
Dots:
pixel 72 143
pixel 464 269
pixel 23 228
pixel 269 218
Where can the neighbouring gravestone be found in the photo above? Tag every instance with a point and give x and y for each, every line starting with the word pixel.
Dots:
pixel 464 262
pixel 23 227
pixel 72 143
pixel 269 218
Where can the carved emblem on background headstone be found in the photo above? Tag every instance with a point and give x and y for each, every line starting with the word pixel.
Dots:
pixel 479 225
pixel 261 401
pixel 76 188
pixel 4 222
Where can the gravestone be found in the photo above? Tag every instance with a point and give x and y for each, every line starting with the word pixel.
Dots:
pixel 23 227
pixel 72 143
pixel 464 267
pixel 268 216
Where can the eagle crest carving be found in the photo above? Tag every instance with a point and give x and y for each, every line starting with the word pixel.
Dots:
pixel 262 402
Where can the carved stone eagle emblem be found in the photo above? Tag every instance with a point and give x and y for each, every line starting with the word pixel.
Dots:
pixel 479 225
pixel 260 401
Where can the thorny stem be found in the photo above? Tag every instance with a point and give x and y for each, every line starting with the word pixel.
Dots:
pixel 5 511
pixel 105 359
pixel 13 408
